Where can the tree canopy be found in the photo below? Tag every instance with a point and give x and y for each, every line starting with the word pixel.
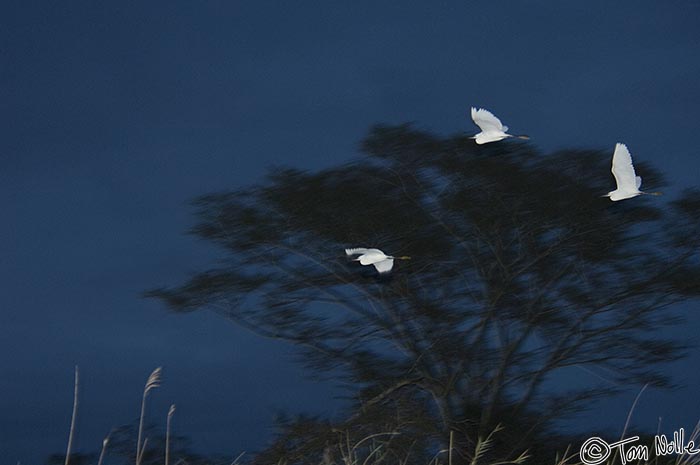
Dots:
pixel 519 270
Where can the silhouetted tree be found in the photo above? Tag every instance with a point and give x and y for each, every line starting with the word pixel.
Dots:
pixel 122 444
pixel 520 270
pixel 121 449
pixel 76 458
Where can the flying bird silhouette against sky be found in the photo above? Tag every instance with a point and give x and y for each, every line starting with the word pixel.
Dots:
pixel 492 130
pixel 628 183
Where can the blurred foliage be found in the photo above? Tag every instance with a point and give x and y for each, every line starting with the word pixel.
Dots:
pixel 520 270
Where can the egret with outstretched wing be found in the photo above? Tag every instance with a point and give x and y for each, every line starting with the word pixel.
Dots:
pixel 628 183
pixel 492 129
pixel 382 262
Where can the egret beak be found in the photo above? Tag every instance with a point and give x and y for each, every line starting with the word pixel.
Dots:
pixel 404 258
pixel 523 136
pixel 653 193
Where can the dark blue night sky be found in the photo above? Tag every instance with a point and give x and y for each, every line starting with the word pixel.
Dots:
pixel 115 115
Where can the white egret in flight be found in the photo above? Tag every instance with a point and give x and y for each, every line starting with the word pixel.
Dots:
pixel 492 129
pixel 382 262
pixel 628 183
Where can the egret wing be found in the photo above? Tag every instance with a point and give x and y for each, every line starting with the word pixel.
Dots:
pixel 486 120
pixel 355 251
pixel 623 170
pixel 639 182
pixel 384 266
